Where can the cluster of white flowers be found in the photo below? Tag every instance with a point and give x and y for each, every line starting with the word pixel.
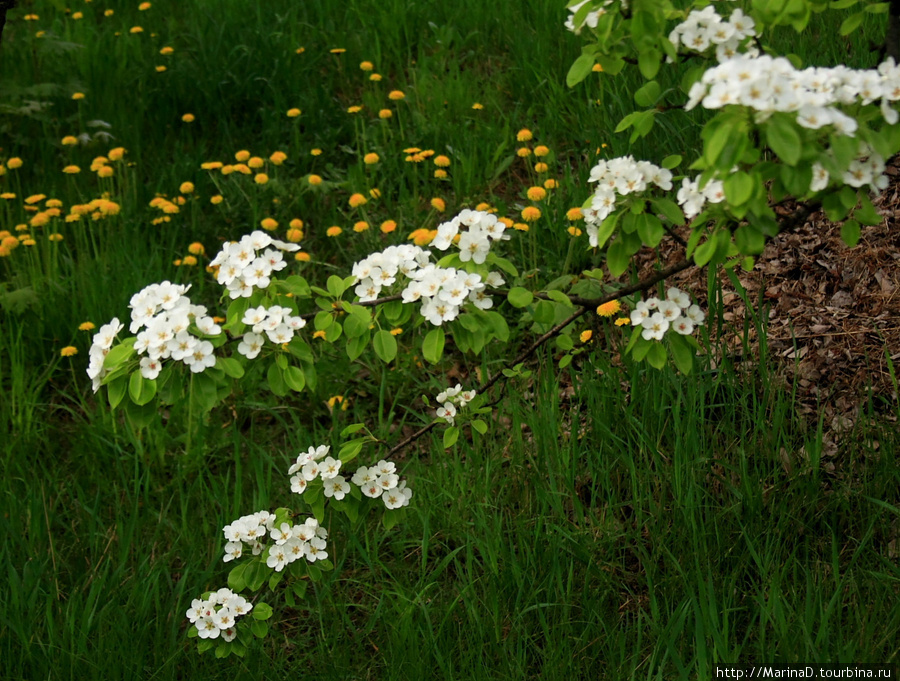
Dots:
pixel 292 542
pixel 277 322
pixel 216 615
pixel 475 242
pixel 865 169
pixel 165 313
pixel 675 312
pixel 242 268
pixel 704 29
pixel 692 198
pixel 379 480
pixel 619 176
pixel 769 84
pixel 592 17
pixel 100 348
pixel 450 399
pixel 442 290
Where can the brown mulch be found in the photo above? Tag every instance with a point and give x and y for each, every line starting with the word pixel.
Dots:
pixel 833 311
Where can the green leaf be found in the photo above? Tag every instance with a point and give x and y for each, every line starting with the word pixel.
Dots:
pixel 480 426
pixel 275 579
pixel 544 312
pixel 433 345
pixel 607 227
pixel 565 361
pixel 783 138
pixel 261 611
pixel 294 378
pixel 564 342
pixel 580 69
pixel 867 214
pixel 300 589
pixel 498 325
pixel 851 23
pixel 352 428
pixel 560 297
pixel 355 326
pixel 335 286
pixel 297 285
pixel 236 580
pixel 682 353
pixel 611 65
pixel 649 62
pixel 385 346
pixel 223 650
pixel 259 628
pixel 502 263
pixel 119 354
pixel 451 435
pixel 850 232
pixel 647 95
pixel 738 188
pixel 670 162
pixel 116 391
pixel 351 449
pixel 617 257
pixel 657 355
pixel 230 366
pixel 141 390
pixel 520 297
pixel 276 380
pixel 650 229
pixel 357 346
pixel 318 508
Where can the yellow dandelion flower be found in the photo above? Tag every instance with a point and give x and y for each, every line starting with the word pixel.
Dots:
pixel 366 66
pixel 117 154
pixel 86 326
pixel 77 15
pixel 108 13
pixel 550 183
pixel 256 163
pixel 301 257
pixel 354 109
pixel 357 200
pixel 144 6
pixel 53 203
pixel 478 106
pixel 293 113
pixel 314 180
pixel 536 193
pixel 574 231
pixel 440 174
pixel 622 321
pixel 315 152
pixel 609 309
pixel 211 165
pixel 68 351
pixel 4 252
pixel 136 29
pixel 483 206
pixel 243 168
pixel 442 161
pixel 541 167
pixel 521 227
pixel 375 77
pixel 396 95
pixel 371 158
pixel 523 152
pixel 261 178
pixel 338 50
pixel 242 156
pixel 69 141
pixel 574 214
pixel 385 113
pixel 524 135
pixel 438 204
pixel 388 226
pixel 422 236
pixel 319 334
pixel 333 231
pixel 77 95
pixel 541 150
pixel 278 157
pixel 300 50
pixel 226 169
pixel 166 50
pixel 294 235
pixel 296 223
pixel 506 221
pixel 531 214
pixel 396 332
pixel 360 226
pixel 188 118
pixel 71 170
pixel 14 163
pixel 160 68
pixel 268 223
pixel 186 188
pixel 105 171
pixel 216 200
pixel 597 68
pixel 7 195
pixel 9 242
pixel 586 336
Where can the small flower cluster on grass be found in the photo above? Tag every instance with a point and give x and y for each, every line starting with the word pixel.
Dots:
pixel 242 268
pixel 619 176
pixel 380 480
pixel 216 614
pixel 276 322
pixel 450 400
pixel 675 312
pixel 290 541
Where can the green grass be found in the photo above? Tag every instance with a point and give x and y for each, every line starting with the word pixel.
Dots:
pixel 642 525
